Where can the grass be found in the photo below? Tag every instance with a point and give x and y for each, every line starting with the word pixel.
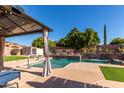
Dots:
pixel 13 58
pixel 113 73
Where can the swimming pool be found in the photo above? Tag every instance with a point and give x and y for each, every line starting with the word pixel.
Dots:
pixel 61 62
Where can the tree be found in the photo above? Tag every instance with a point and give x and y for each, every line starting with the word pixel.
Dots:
pixel 91 38
pixel 74 39
pixel 14 51
pixel 117 41
pixel 62 42
pixel 77 40
pixel 39 42
pixel 105 37
pixel 52 43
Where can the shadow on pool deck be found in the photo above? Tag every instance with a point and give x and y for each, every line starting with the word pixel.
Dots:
pixel 32 72
pixel 55 82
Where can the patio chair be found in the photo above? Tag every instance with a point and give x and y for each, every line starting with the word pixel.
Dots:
pixel 4 68
pixel 7 76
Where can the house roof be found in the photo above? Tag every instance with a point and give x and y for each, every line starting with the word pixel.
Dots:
pixel 14 44
pixel 14 22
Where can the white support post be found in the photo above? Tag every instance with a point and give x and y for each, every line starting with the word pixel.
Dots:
pixel 47 64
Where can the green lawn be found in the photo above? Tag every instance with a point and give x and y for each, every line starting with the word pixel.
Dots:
pixel 113 73
pixel 13 58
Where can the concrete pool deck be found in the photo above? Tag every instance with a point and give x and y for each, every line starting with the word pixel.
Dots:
pixel 72 75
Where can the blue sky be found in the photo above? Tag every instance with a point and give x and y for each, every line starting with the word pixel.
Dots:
pixel 63 18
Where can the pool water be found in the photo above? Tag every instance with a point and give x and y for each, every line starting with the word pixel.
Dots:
pixel 61 62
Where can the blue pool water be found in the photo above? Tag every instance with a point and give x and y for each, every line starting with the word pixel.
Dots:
pixel 61 62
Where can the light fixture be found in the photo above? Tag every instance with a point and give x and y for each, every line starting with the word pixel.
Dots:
pixel 0 28
pixel 23 22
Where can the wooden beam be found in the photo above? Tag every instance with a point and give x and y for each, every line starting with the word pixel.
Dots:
pixel 19 34
pixel 2 42
pixel 6 29
pixel 14 22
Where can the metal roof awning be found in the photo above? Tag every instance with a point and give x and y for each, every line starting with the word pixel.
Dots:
pixel 14 22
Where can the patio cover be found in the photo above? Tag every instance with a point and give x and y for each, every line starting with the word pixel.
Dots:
pixel 14 22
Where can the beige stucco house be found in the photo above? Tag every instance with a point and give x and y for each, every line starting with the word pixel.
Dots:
pixel 16 49
pixel 12 49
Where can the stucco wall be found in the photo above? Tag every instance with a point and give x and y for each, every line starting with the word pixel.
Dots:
pixel 7 50
pixel 39 51
pixel 103 56
pixel 32 50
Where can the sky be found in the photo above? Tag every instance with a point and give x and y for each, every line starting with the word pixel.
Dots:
pixel 62 19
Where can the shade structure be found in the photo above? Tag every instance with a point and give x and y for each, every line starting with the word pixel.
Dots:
pixel 14 22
